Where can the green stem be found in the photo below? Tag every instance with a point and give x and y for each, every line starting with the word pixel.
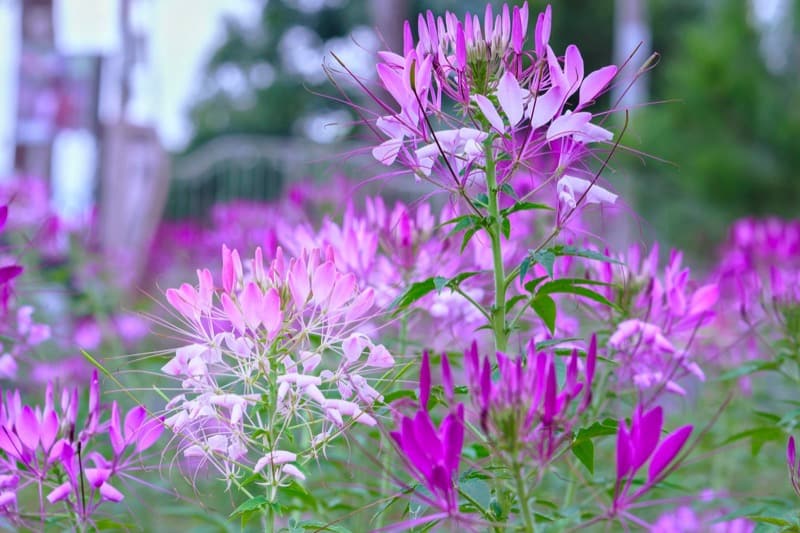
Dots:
pixel 522 499
pixel 495 231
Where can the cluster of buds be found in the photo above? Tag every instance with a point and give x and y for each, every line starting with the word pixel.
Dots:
pixel 277 347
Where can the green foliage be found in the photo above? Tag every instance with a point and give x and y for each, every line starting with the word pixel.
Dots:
pixel 732 131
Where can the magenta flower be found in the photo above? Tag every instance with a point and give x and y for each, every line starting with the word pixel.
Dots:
pixel 432 454
pixel 524 410
pixel 794 467
pixel 636 445
pixel 47 451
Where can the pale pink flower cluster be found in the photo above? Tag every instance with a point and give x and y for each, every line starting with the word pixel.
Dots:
pixel 277 346
pixel 665 312
pixel 528 105
pixel 389 249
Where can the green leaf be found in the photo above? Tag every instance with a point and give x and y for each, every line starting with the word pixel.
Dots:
pixel 758 437
pixel 506 227
pixel 390 397
pixel 545 307
pixel 525 206
pixel 524 267
pixel 509 190
pixel 413 293
pixel 574 286
pixel 600 428
pixel 482 200
pixel 316 525
pixel 467 236
pixel 546 258
pixel 584 451
pixel 439 283
pixel 582 252
pixel 749 367
pixel 255 503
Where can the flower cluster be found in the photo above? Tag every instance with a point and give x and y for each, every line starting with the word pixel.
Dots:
pixel 48 450
pixel 433 454
pixel 638 443
pixel 524 411
pixel 519 108
pixel 663 311
pixel 282 336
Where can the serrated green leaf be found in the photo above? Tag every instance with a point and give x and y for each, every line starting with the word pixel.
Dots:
pixel 545 307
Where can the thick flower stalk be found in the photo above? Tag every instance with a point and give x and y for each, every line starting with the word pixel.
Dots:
pixel 277 356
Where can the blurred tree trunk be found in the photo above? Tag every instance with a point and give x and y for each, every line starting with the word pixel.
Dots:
pixel 631 29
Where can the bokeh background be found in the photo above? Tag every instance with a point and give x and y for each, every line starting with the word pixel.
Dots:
pixel 149 109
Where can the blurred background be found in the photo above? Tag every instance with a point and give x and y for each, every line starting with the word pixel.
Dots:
pixel 140 113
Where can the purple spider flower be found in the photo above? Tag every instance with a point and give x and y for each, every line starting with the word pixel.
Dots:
pixel 635 446
pixel 432 454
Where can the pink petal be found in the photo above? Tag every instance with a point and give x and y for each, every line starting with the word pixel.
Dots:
pixel 133 421
pixel 48 429
pixel 115 430
pixel 252 300
pixel 568 125
pixel 667 451
pixel 595 83
pixel 489 111
pixel 509 94
pixel 387 151
pixel 704 299
pixel 232 313
pixel 545 106
pixel 110 494
pixel 379 357
pixel 424 380
pixel 646 432
pixel 624 451
pixel 59 493
pixel 27 428
pixel 573 68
